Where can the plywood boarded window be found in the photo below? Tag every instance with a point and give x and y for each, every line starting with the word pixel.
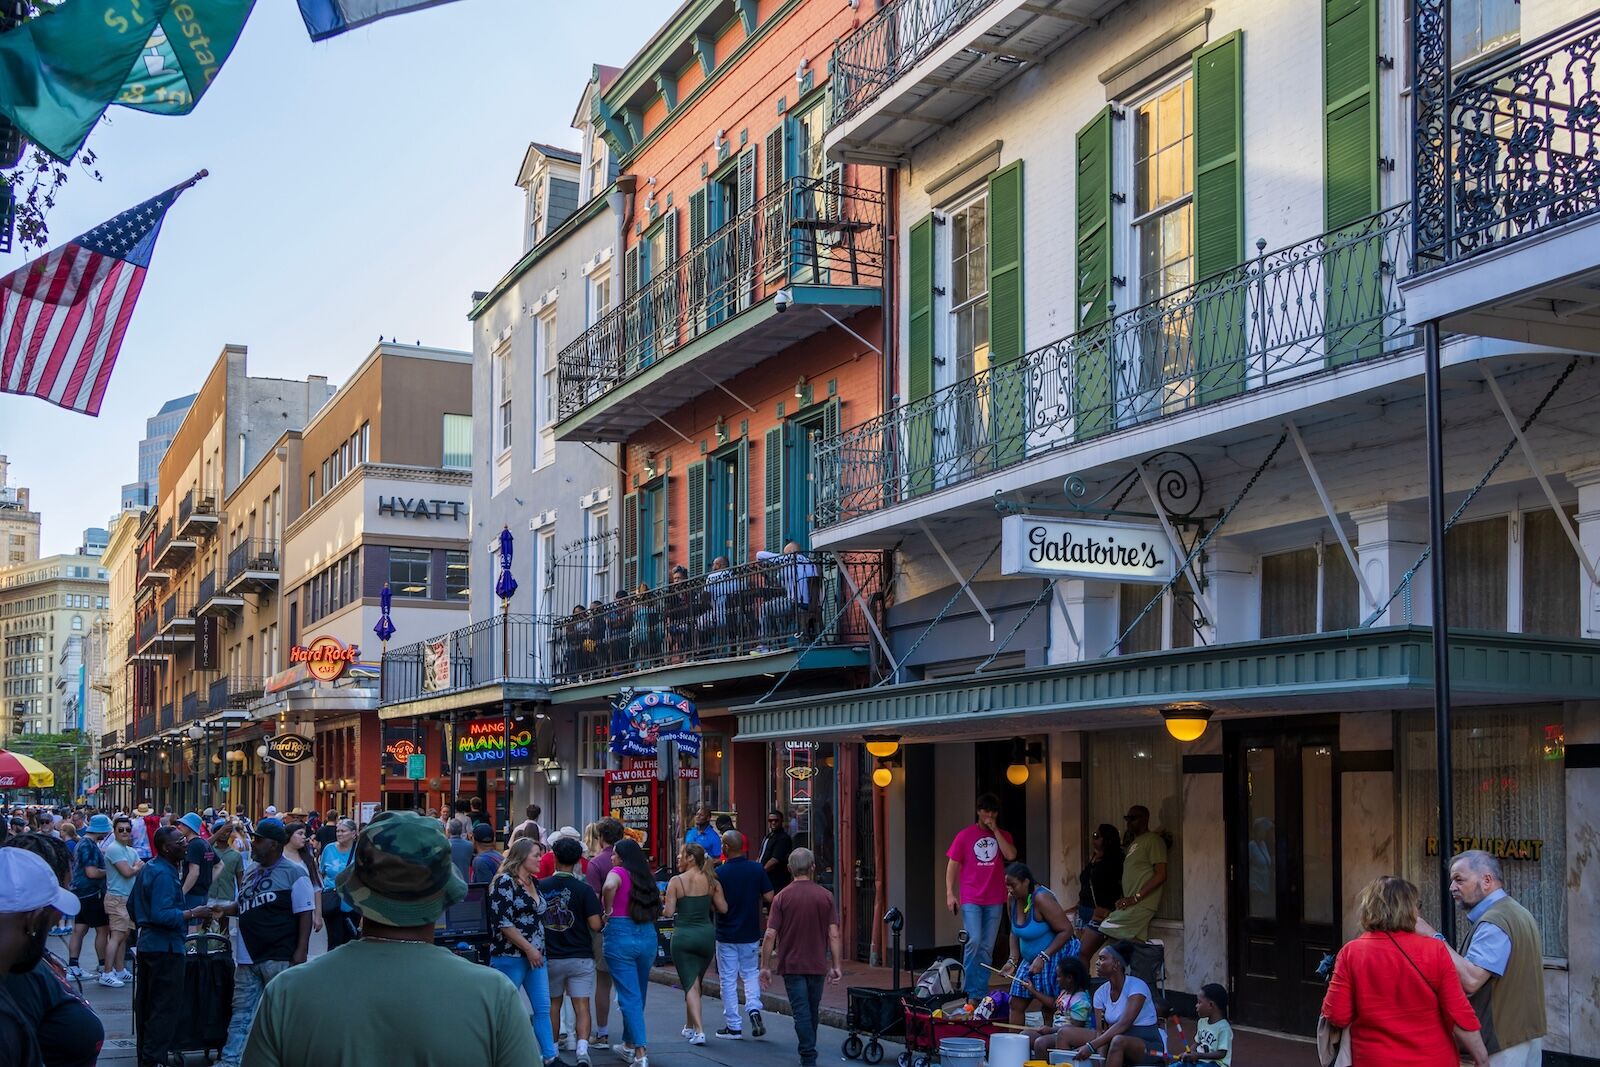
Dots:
pixel 1476 575
pixel 1552 577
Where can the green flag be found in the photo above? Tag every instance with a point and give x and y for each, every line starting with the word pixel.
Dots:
pixel 59 71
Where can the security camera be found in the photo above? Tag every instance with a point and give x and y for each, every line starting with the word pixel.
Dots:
pixel 783 300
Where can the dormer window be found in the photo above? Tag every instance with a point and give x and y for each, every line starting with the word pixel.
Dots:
pixel 536 220
pixel 595 178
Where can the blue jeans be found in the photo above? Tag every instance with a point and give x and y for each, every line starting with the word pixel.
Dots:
pixel 249 979
pixel 534 981
pixel 982 924
pixel 805 1001
pixel 630 950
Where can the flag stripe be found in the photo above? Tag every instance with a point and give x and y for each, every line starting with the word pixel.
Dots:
pixel 102 374
pixel 76 340
pixel 30 310
pixel 108 293
pixel 64 322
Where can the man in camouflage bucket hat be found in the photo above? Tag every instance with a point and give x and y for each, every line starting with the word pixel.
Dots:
pixel 362 1003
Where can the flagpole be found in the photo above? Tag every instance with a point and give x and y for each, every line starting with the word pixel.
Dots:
pixel 201 173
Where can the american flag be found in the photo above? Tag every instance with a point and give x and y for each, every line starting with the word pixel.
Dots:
pixel 64 316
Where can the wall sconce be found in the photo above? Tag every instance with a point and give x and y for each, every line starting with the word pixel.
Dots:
pixel 1023 753
pixel 882 777
pixel 883 773
pixel 882 746
pixel 261 750
pixel 801 393
pixel 1186 722
pixel 322 783
pixel 800 71
pixel 344 783
pixel 649 465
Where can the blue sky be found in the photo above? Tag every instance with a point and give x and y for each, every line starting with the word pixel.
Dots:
pixel 361 186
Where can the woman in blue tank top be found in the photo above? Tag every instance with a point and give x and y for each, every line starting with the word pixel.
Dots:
pixel 1041 933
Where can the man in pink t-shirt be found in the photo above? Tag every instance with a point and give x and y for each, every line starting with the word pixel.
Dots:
pixel 975 888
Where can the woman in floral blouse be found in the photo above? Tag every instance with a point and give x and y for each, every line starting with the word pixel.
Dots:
pixel 516 946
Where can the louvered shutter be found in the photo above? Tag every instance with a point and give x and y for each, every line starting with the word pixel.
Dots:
pixel 919 356
pixel 697 519
pixel 1351 275
pixel 630 272
pixel 747 226
pixel 1091 356
pixel 669 297
pixel 775 253
pixel 696 266
pixel 630 541
pixel 774 459
pixel 1219 216
pixel 740 549
pixel 822 496
pixel 664 502
pixel 1008 394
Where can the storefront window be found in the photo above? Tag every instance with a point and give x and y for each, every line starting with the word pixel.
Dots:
pixel 594 739
pixel 803 789
pixel 1142 766
pixel 1510 798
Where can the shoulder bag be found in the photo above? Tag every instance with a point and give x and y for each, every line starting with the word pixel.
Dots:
pixel 1333 1042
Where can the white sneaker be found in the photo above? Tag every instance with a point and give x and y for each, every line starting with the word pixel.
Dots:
pixel 125 974
pixel 76 973
pixel 110 980
pixel 625 1050
pixel 698 1037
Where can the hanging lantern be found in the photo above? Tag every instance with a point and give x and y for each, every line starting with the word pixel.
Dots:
pixel 1186 722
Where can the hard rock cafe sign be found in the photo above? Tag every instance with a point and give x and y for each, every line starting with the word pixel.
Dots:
pixel 289 748
pixel 327 658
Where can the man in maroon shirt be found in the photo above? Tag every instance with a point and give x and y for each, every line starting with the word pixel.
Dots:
pixel 802 937
pixel 600 864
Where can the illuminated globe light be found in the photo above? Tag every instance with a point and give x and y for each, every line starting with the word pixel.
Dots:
pixel 1186 722
pixel 1017 774
pixel 882 777
pixel 882 746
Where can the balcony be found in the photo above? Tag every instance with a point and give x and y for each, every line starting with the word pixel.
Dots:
pixel 712 314
pixel 1275 320
pixel 252 567
pixel 481 664
pixel 243 690
pixel 917 66
pixel 209 602
pixel 217 694
pixel 164 719
pixel 172 549
pixel 746 624
pixel 1508 197
pixel 190 707
pixel 151 577
pixel 197 515
pixel 177 615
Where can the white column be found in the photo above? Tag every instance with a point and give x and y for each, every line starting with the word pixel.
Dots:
pixel 1233 582
pixel 1587 482
pixel 1389 539
pixel 1083 620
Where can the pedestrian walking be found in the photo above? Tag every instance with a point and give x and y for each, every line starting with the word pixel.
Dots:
pixel 298 851
pixel 1501 962
pixel 486 859
pixel 460 848
pixel 801 945
pixel 975 889
pixel 31 898
pixel 225 842
pixel 122 868
pixel 199 864
pixel 633 903
pixel 157 906
pixel 1395 991
pixel 746 888
pixel 341 1008
pixel 275 907
pixel 516 934
pixel 692 895
pixel 338 917
pixel 608 832
pixel 89 885
pixel 572 917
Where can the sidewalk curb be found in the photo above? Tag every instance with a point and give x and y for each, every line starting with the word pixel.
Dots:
pixel 771 1000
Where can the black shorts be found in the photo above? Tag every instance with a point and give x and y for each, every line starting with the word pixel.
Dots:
pixel 91 913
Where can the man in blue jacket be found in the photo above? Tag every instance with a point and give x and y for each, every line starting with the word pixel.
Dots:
pixel 156 904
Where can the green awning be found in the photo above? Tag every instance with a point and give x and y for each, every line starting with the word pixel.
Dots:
pixel 1351 670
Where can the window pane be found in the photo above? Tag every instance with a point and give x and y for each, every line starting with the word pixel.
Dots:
pixel 408 571
pixel 1131 599
pixel 458 442
pixel 1289 593
pixel 1551 578
pixel 1141 766
pixel 1316 832
pixel 1261 784
pixel 455 576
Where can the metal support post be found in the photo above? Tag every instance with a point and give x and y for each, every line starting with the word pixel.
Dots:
pixel 1441 628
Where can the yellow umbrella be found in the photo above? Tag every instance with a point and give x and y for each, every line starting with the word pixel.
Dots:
pixel 24 772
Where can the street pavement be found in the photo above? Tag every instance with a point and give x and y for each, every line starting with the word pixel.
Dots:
pixel 663 1017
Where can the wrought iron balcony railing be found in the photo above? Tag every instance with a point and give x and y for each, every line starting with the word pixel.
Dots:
pixel 1280 316
pixel 891 42
pixel 146 630
pixel 243 690
pixel 500 650
pixel 808 231
pixel 1517 150
pixel 254 556
pixel 217 694
pixel 197 513
pixel 164 722
pixel 821 599
pixel 190 707
pixel 208 589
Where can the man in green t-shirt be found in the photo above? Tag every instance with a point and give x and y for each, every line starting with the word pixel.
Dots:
pixel 1144 872
pixel 346 1007
pixel 225 882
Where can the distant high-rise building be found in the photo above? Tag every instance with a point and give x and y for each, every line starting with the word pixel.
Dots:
pixel 95 539
pixel 159 430
pixel 19 525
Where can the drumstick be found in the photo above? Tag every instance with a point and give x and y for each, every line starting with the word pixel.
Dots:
pixel 1027 984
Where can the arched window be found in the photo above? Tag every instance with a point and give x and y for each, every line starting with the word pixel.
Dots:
pixel 77 622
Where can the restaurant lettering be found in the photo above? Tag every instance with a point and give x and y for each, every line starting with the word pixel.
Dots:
pixel 1084 548
pixel 326 657
pixel 1501 848
pixel 421 507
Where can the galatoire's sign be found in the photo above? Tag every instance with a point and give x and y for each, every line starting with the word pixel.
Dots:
pixel 1084 548
pixel 326 657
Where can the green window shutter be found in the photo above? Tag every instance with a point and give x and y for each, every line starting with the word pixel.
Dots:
pixel 919 355
pixel 664 502
pixel 630 271
pixel 697 280
pixel 669 298
pixel 740 552
pixel 697 519
pixel 774 458
pixel 1219 213
pixel 774 160
pixel 1091 360
pixel 630 541
pixel 1351 274
pixel 1008 394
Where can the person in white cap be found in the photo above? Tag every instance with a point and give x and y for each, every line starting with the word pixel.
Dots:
pixel 30 901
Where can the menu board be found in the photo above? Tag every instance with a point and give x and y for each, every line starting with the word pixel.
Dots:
pixel 631 798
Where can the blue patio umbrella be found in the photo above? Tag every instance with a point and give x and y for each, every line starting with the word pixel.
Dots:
pixel 385 626
pixel 505 587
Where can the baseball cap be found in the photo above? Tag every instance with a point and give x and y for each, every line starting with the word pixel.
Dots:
pixel 27 884
pixel 100 824
pixel 401 874
pixel 272 811
pixel 570 832
pixel 217 826
pixel 192 821
pixel 272 830
pixel 483 832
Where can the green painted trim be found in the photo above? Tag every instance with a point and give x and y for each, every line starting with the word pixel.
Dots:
pixel 747 14
pixel 724 333
pixel 667 86
pixel 705 49
pixel 721 670
pixel 551 242
pixel 1349 663
pixel 665 41
pixel 492 695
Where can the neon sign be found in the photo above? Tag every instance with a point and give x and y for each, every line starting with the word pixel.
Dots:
pixel 326 657
pixel 482 743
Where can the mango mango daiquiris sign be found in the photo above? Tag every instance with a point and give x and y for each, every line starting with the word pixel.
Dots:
pixel 1084 548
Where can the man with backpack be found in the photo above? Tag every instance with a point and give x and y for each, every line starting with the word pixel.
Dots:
pixel 89 886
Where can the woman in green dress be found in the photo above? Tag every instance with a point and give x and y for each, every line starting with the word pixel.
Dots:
pixel 691 895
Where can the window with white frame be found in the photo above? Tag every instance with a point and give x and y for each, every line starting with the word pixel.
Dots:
pixel 594 737
pixel 1481 26
pixel 598 536
pixel 457 442
pixel 595 180
pixel 599 295
pixel 1163 207
pixel 968 286
pixel 502 398
pixel 547 572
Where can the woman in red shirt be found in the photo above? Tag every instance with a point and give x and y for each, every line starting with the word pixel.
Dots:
pixel 1396 992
